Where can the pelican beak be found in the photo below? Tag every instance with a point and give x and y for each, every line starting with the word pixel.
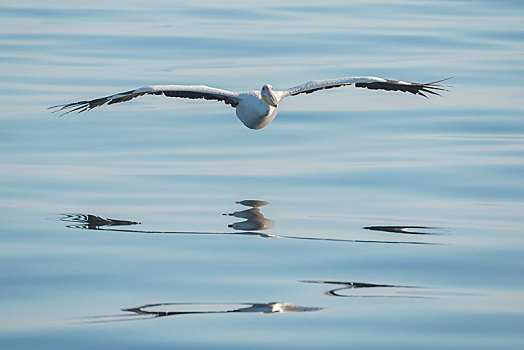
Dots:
pixel 270 98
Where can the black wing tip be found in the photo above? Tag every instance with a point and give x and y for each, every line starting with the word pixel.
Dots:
pixel 79 107
pixel 432 86
pixel 86 105
pixel 421 89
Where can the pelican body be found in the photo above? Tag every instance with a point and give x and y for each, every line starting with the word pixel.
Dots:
pixel 255 109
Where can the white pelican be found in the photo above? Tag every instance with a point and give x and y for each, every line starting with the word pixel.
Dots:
pixel 256 109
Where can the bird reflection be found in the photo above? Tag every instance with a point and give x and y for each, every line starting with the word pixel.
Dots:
pixel 93 222
pixel 408 230
pixel 255 203
pixel 177 309
pixel 349 286
pixel 255 221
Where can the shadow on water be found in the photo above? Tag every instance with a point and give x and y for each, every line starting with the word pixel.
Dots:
pixel 178 309
pixel 255 221
pixel 368 290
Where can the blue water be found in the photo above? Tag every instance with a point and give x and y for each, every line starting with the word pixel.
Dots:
pixel 330 164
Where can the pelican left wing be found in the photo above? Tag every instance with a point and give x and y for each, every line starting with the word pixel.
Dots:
pixel 373 83
pixel 182 91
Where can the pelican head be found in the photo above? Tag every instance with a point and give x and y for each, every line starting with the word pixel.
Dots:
pixel 269 96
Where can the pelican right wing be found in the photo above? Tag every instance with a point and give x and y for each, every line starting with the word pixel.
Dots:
pixel 182 91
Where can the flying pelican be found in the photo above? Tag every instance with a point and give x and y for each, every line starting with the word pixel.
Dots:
pixel 255 109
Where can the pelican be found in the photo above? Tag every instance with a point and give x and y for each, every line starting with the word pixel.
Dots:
pixel 255 109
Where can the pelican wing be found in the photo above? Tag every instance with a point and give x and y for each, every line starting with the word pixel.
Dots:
pixel 372 83
pixel 183 91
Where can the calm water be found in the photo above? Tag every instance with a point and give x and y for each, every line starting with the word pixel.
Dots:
pixel 393 221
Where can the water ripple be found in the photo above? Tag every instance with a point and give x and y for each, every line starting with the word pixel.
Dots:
pixel 255 221
pixel 178 309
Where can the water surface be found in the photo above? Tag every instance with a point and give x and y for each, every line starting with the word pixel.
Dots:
pixel 440 180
